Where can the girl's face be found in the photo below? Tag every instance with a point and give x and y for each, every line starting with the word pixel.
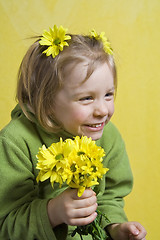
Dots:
pixel 84 108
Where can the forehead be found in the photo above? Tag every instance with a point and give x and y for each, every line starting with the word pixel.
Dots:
pixel 83 73
pixel 74 86
pixel 75 74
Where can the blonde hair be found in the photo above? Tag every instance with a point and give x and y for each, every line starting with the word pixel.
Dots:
pixel 40 77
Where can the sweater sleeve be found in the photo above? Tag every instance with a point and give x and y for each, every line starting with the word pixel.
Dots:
pixel 118 180
pixel 23 215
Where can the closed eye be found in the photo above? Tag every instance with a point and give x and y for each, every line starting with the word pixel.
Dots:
pixel 87 98
pixel 109 95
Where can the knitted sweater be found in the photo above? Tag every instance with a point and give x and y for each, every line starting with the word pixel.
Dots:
pixel 23 202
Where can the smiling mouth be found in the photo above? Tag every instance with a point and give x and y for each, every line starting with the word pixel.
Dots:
pixel 98 125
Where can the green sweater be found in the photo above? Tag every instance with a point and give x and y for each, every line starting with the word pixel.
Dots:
pixel 23 202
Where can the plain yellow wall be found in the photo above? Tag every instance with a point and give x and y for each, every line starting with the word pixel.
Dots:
pixel 133 27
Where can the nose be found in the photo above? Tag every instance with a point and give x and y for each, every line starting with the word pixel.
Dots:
pixel 101 108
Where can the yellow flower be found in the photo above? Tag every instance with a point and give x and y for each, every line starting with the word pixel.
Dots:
pixel 56 40
pixel 77 162
pixel 86 163
pixel 102 37
pixel 52 162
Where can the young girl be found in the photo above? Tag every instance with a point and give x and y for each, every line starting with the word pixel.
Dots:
pixel 66 88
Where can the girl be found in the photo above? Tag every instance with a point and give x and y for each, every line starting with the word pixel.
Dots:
pixel 66 88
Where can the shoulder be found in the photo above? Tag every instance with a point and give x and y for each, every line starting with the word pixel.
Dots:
pixel 20 135
pixel 25 135
pixel 17 128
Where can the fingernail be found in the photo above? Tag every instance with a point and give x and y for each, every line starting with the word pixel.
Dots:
pixel 136 232
pixel 95 213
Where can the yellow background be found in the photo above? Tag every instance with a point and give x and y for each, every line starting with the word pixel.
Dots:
pixel 133 27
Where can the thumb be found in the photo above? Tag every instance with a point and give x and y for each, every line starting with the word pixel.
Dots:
pixel 134 231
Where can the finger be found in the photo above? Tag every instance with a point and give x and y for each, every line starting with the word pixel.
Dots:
pixel 87 193
pixel 134 230
pixel 142 231
pixel 85 212
pixel 137 231
pixel 86 202
pixel 136 238
pixel 139 226
pixel 83 221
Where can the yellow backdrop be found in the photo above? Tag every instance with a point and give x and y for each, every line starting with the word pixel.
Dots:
pixel 133 28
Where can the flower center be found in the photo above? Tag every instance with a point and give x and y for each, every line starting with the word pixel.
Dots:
pixel 59 156
pixel 73 167
pixel 57 41
pixel 80 153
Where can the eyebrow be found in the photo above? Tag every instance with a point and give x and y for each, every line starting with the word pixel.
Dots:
pixel 88 93
pixel 111 89
pixel 82 93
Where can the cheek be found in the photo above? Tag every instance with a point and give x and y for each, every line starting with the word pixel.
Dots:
pixel 78 115
pixel 111 111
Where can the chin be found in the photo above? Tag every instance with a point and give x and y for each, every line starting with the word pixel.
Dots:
pixel 95 136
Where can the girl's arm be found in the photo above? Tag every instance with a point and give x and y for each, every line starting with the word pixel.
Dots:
pixel 118 181
pixel 117 184
pixel 23 214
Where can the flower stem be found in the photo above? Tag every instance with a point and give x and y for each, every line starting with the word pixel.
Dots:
pixel 94 229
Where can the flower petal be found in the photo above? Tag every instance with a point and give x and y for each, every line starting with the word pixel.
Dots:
pixel 56 40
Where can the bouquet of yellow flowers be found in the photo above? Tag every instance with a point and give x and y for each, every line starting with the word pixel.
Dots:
pixel 78 163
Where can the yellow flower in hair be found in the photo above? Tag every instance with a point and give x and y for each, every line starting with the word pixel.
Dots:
pixel 102 37
pixel 55 39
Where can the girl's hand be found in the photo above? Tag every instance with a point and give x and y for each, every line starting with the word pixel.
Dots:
pixel 127 231
pixel 73 210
